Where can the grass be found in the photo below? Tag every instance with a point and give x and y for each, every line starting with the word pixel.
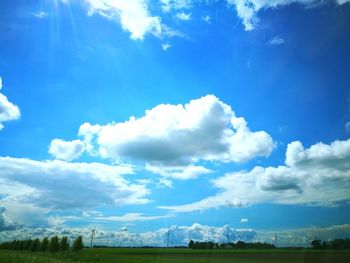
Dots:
pixel 163 255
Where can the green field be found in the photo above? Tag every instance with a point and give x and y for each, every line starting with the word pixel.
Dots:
pixel 162 255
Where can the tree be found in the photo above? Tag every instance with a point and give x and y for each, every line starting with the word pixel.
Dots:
pixel 241 244
pixel 44 244
pixel 64 245
pixel 27 244
pixel 35 245
pixel 54 245
pixel 191 244
pixel 316 244
pixel 78 244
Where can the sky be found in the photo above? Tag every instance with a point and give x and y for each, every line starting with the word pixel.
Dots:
pixel 218 120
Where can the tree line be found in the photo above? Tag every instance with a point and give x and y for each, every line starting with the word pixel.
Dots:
pixel 332 244
pixel 54 244
pixel 238 245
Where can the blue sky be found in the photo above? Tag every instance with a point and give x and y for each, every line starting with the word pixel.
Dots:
pixel 163 114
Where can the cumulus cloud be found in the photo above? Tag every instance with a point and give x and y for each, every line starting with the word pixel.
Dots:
pixel 247 10
pixel 180 235
pixel 5 223
pixel 66 150
pixel 319 175
pixel 180 135
pixel 8 110
pixel 133 16
pixel 36 187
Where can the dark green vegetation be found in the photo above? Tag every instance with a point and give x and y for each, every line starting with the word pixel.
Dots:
pixel 333 244
pixel 238 245
pixel 175 255
pixel 53 245
pixel 57 250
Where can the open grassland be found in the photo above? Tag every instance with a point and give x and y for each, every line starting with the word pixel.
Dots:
pixel 136 255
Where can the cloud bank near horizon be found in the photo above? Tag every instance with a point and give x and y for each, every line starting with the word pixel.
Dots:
pixel 181 235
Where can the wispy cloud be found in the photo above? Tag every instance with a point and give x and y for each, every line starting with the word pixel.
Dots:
pixel 182 173
pixel 169 5
pixel 40 14
pixel 166 46
pixel 347 127
pixel 341 2
pixel 247 10
pixel 140 18
pixel 276 41
pixel 183 16
pixel 207 19
pixel 130 217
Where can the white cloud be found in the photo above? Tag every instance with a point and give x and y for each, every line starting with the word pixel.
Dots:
pixel 40 14
pixel 66 150
pixel 36 187
pixel 180 235
pixel 247 10
pixel 276 41
pixel 129 217
pixel 89 131
pixel 183 16
pixel 341 2
pixel 163 182
pixel 182 173
pixel 94 217
pixel 5 223
pixel 319 156
pixel 134 16
pixel 169 5
pixel 302 237
pixel 319 175
pixel 347 127
pixel 165 46
pixel 180 135
pixel 244 220
pixel 8 110
pixel 206 19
